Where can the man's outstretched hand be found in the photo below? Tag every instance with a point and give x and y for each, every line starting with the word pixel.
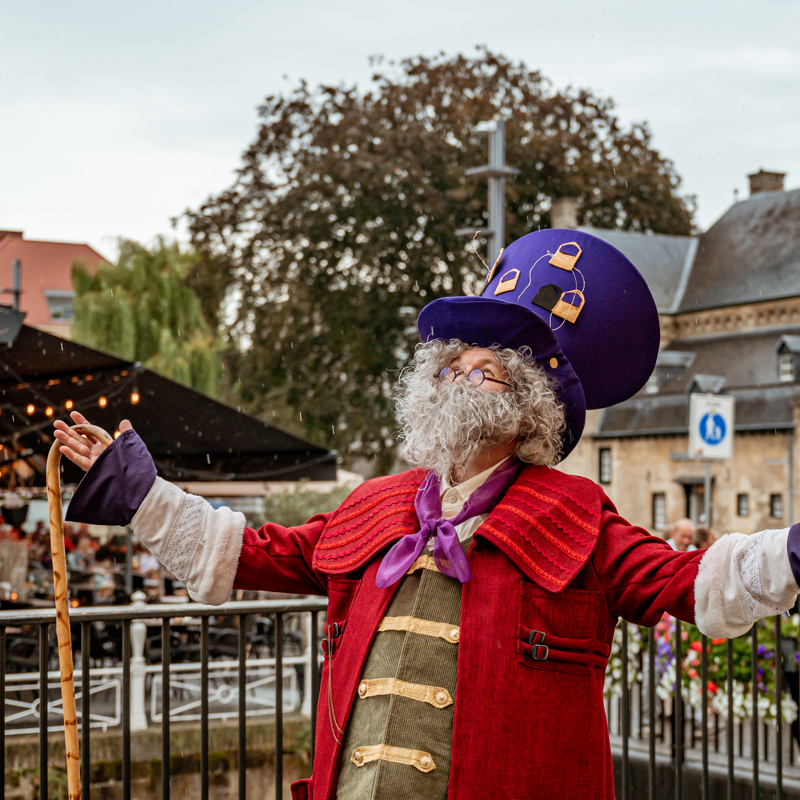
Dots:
pixel 81 449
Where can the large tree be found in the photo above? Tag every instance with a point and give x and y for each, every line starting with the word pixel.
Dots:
pixel 341 223
pixel 143 309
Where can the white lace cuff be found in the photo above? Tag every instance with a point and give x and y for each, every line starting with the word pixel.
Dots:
pixel 200 545
pixel 742 579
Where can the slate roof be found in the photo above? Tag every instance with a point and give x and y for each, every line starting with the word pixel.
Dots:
pixel 758 409
pixel 751 254
pixel 663 260
pixel 745 359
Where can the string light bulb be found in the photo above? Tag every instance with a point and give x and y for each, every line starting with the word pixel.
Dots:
pixel 49 411
pixel 102 402
pixel 135 398
pixel 68 405
pixel 31 408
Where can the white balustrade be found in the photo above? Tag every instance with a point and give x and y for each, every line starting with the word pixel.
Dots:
pixel 138 666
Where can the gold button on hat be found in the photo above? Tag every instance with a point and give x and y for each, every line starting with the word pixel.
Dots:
pixel 441 698
pixel 425 761
pixel 454 634
pixel 357 757
pixel 362 689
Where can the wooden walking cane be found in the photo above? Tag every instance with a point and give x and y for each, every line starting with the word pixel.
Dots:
pixel 62 610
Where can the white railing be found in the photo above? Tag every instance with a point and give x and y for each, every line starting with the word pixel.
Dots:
pixel 22 706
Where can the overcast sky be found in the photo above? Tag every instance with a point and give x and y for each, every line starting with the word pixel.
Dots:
pixel 114 117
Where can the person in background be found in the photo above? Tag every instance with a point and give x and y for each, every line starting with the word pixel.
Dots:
pixel 81 559
pixel 149 568
pixel 704 537
pixel 681 536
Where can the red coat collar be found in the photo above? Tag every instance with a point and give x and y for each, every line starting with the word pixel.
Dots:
pixel 547 524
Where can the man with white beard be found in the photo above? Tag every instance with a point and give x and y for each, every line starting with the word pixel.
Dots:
pixel 473 599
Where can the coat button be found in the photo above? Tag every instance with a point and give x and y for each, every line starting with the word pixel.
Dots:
pixel 441 698
pixel 454 634
pixel 362 689
pixel 357 757
pixel 425 761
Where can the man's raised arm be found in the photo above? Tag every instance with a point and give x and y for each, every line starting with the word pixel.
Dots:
pixel 200 545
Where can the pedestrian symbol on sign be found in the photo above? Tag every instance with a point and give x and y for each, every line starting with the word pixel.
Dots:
pixel 712 428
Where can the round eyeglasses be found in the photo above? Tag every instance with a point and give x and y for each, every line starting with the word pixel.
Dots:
pixel 475 376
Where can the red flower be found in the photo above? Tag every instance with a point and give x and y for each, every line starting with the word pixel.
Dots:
pixel 693 673
pixel 718 641
pixel 712 687
pixel 696 646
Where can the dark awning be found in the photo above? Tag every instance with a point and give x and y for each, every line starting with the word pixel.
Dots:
pixel 190 436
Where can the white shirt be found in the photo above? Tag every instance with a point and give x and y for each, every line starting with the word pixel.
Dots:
pixel 671 543
pixel 454 497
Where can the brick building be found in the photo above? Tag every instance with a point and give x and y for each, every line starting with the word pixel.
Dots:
pixel 729 304
pixel 43 278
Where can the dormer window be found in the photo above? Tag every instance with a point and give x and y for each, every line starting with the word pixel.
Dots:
pixel 788 350
pixel 706 384
pixel 786 367
pixel 669 364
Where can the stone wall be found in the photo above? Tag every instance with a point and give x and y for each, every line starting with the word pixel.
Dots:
pixel 22 762
pixel 646 465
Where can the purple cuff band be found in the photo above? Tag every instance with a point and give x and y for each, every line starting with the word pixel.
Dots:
pixel 116 485
pixel 793 549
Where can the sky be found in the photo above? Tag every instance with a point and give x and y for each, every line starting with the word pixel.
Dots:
pixel 116 117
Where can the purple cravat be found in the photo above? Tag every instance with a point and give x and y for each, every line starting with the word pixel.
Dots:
pixel 448 553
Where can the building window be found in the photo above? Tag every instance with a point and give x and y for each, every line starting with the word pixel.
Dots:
pixel 786 367
pixel 605 465
pixel 743 505
pixel 60 305
pixel 659 511
pixel 776 506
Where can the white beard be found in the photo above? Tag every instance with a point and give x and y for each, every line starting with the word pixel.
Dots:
pixel 445 426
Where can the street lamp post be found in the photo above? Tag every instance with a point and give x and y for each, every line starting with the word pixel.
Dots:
pixel 497 172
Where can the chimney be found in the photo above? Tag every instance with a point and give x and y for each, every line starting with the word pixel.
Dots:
pixel 564 213
pixel 763 181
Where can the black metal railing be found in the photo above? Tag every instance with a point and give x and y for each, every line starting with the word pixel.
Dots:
pixel 22 632
pixel 666 742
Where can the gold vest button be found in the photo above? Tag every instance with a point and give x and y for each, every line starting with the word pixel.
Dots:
pixel 362 689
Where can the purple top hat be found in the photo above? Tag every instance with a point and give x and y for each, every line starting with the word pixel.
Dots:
pixel 579 304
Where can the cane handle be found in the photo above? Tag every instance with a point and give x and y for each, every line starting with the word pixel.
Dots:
pixel 62 607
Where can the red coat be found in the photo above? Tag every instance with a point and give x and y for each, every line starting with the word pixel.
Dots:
pixel 552 559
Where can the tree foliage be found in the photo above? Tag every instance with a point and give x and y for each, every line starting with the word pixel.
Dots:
pixel 341 223
pixel 296 508
pixel 143 309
